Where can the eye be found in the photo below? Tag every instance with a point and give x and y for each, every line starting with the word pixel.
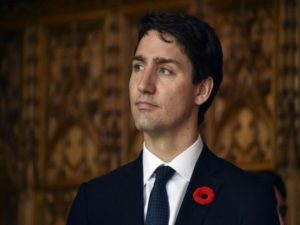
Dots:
pixel 165 71
pixel 137 67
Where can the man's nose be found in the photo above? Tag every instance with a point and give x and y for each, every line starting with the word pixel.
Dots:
pixel 147 83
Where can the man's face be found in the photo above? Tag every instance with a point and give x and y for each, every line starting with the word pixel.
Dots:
pixel 162 95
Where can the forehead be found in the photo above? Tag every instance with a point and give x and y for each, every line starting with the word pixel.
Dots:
pixel 162 40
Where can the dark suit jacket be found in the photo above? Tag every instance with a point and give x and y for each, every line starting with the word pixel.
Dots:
pixel 117 198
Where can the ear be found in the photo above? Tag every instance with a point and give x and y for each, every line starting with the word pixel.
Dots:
pixel 203 90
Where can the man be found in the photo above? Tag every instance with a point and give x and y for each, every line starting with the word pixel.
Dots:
pixel 176 72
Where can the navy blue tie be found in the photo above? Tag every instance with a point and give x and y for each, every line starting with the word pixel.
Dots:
pixel 158 206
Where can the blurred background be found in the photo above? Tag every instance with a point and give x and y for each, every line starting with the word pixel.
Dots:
pixel 64 110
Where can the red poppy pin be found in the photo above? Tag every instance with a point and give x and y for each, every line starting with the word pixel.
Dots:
pixel 204 195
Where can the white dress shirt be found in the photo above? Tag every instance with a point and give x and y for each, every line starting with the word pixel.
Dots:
pixel 176 187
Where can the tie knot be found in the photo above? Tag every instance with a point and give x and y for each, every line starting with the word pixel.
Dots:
pixel 163 174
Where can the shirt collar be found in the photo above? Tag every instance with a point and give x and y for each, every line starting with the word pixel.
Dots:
pixel 183 164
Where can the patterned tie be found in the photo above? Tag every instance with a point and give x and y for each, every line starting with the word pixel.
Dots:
pixel 158 206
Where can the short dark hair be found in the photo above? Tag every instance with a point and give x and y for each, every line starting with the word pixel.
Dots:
pixel 200 44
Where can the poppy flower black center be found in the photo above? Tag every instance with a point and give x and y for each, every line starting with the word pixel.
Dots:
pixel 204 196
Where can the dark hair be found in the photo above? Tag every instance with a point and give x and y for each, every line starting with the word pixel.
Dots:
pixel 199 42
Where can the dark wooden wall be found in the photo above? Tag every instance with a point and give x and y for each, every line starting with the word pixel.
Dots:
pixel 64 110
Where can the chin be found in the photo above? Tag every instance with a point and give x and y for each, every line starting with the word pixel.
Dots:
pixel 145 127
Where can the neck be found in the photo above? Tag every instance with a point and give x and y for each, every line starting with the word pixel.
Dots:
pixel 168 146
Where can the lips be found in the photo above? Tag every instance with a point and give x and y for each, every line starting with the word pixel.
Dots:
pixel 144 105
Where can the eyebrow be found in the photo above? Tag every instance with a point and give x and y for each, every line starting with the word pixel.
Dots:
pixel 139 58
pixel 160 60
pixel 157 60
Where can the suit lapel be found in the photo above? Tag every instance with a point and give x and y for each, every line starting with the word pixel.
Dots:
pixel 191 212
pixel 131 200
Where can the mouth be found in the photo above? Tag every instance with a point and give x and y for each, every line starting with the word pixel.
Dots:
pixel 144 105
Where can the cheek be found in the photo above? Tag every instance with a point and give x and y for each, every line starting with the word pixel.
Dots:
pixel 132 87
pixel 182 94
pixel 177 99
pixel 131 98
pixel 130 83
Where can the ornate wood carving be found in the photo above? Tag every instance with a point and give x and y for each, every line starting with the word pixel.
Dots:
pixel 288 109
pixel 240 126
pixel 74 65
pixel 289 86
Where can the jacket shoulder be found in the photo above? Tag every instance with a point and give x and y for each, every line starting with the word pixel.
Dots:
pixel 248 194
pixel 113 179
pixel 233 175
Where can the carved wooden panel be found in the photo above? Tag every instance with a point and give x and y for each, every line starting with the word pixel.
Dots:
pixel 289 86
pixel 58 203
pixel 74 66
pixel 288 117
pixel 240 126
pixel 82 110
